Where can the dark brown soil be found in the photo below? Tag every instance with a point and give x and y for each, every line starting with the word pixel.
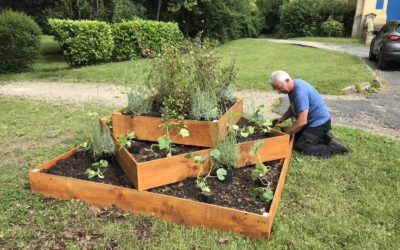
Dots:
pixel 258 133
pixel 142 150
pixel 233 195
pixel 76 166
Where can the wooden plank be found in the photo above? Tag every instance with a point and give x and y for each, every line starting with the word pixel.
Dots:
pixel 177 210
pixel 279 189
pixel 202 133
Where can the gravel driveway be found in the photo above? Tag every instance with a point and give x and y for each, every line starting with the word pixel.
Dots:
pixel 379 113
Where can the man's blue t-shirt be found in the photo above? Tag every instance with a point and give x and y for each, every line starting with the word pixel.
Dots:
pixel 306 97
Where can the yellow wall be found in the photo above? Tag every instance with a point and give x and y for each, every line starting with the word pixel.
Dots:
pixel 365 7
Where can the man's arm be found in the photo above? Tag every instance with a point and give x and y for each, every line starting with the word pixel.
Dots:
pixel 301 122
pixel 285 116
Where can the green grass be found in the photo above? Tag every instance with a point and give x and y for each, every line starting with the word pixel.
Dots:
pixel 329 72
pixel 49 46
pixel 347 202
pixel 335 40
pixel 256 59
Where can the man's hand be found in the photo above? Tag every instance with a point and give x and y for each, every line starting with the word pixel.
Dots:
pixel 276 121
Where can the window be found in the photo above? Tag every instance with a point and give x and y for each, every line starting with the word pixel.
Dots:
pixel 379 4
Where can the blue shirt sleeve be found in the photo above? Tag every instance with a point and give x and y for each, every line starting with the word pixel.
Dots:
pixel 301 102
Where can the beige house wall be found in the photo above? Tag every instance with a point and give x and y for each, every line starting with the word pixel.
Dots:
pixel 365 7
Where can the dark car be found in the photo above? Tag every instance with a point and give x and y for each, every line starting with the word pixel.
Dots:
pixel 386 45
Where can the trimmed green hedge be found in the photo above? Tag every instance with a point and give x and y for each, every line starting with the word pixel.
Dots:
pixel 152 35
pixel 19 41
pixel 143 38
pixel 83 42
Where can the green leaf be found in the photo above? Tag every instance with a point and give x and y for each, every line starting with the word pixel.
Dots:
pixel 199 159
pixel 267 195
pixel 256 148
pixel 253 192
pixel 221 173
pixel 215 153
pixel 91 173
pixel 236 115
pixel 164 143
pixel 250 130
pixel 184 132
pixel 244 134
pixel 123 140
pixel 255 174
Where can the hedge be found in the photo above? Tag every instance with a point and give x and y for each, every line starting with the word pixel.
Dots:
pixel 143 38
pixel 83 42
pixel 19 41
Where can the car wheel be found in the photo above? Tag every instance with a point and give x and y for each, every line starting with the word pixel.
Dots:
pixel 371 55
pixel 382 64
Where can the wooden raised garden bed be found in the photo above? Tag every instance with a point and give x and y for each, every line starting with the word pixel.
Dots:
pixel 202 133
pixel 163 171
pixel 182 211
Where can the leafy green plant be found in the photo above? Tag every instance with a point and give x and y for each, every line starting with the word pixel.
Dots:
pixel 165 142
pixel 19 41
pixel 128 140
pixel 261 170
pixel 204 106
pixel 265 194
pixel 83 42
pixel 332 27
pixel 201 182
pixel 140 101
pixel 260 121
pixel 100 166
pixel 102 144
pixel 226 156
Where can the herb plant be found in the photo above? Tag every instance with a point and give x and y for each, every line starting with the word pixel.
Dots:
pixel 260 121
pixel 140 101
pixel 226 157
pixel 102 144
pixel 201 182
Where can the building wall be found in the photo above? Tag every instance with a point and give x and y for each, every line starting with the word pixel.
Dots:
pixel 365 7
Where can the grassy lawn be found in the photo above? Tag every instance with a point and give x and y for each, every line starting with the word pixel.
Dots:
pixel 335 40
pixel 349 202
pixel 329 72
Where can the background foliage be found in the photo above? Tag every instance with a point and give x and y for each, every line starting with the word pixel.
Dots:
pixel 19 41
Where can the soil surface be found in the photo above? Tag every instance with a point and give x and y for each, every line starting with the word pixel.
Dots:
pixel 76 166
pixel 143 151
pixel 258 133
pixel 234 195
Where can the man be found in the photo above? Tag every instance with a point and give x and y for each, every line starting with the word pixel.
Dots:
pixel 312 119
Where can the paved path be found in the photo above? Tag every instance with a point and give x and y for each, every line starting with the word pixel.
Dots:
pixel 378 112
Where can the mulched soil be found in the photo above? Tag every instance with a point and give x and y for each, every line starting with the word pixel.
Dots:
pixel 76 166
pixel 258 133
pixel 141 150
pixel 233 195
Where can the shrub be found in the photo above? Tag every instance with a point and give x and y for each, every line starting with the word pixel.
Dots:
pixel 332 28
pixel 269 11
pixel 143 38
pixel 83 42
pixel 305 17
pixel 19 41
pixel 152 36
pixel 223 20
pixel 125 42
pixel 300 18
pixel 140 101
pixel 204 106
pixel 186 69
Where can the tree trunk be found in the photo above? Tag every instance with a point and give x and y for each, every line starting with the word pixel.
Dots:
pixel 158 10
